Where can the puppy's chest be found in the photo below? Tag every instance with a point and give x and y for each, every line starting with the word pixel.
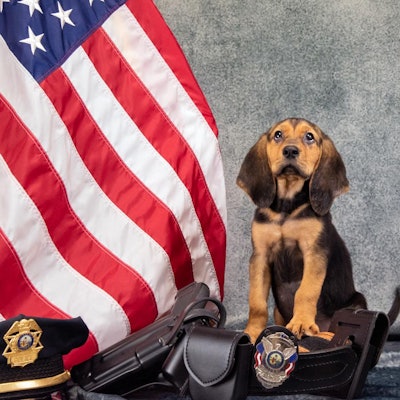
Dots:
pixel 279 235
pixel 282 243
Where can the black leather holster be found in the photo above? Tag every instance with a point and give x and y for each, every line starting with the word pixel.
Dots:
pixel 153 355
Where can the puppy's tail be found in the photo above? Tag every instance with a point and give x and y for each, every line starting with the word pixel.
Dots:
pixel 395 309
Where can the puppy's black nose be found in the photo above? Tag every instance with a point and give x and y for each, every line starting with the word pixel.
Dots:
pixel 290 152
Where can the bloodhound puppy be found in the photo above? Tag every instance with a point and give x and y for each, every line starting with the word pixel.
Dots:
pixel 293 174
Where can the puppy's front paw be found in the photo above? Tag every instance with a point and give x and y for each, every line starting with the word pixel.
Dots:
pixel 303 326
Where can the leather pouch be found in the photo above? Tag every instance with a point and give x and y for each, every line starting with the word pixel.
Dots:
pixel 218 362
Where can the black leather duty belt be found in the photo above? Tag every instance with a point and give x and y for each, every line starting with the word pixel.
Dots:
pixel 232 368
pixel 190 352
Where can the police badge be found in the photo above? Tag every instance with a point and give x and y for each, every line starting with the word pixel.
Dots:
pixel 23 343
pixel 275 358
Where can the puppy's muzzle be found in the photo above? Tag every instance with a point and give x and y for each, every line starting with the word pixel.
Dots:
pixel 290 165
pixel 290 152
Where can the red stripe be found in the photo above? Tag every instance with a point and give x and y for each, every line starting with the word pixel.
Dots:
pixel 33 170
pixel 116 180
pixel 159 33
pixel 164 137
pixel 18 296
pixel 289 369
pixel 14 281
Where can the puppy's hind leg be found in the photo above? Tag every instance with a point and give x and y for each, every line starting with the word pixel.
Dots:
pixel 357 301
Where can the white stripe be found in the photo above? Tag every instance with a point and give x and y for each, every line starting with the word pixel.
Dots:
pixel 48 272
pixel 107 223
pixel 131 40
pixel 142 159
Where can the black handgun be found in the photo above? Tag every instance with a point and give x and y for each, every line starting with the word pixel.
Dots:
pixel 139 359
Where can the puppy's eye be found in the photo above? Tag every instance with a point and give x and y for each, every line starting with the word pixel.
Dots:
pixel 309 137
pixel 278 136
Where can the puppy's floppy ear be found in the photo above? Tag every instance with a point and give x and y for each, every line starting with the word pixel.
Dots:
pixel 255 176
pixel 329 179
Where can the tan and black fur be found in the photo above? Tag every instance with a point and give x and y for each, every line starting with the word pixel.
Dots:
pixel 293 174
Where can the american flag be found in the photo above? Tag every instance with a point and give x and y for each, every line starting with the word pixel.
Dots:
pixel 112 191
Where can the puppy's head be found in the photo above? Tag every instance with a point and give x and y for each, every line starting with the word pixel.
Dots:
pixel 294 149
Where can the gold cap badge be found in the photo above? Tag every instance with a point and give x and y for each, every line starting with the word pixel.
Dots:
pixel 23 343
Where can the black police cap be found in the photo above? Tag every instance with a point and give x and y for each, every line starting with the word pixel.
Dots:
pixel 31 349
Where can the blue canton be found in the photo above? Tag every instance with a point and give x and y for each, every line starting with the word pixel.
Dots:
pixel 43 33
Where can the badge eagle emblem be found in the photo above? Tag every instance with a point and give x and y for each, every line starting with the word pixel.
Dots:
pixel 275 359
pixel 23 343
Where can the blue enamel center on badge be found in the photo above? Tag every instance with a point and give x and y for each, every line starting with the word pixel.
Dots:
pixel 275 359
pixel 25 341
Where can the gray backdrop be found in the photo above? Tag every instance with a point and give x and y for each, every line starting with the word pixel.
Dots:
pixel 335 63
